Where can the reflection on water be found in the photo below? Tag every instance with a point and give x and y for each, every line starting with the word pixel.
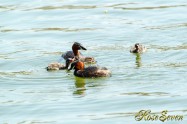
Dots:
pixel 80 86
pixel 138 60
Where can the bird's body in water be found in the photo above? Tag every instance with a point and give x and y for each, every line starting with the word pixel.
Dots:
pixel 89 72
pixel 138 48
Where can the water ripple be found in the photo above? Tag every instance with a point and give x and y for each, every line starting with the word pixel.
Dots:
pixel 150 8
pixel 176 64
pixel 65 7
pixel 64 29
pixel 7 8
pixel 50 29
pixel 147 93
pixel 110 47
pixel 166 48
pixel 166 64
pixel 165 27
pixel 15 73
pixel 36 122
pixel 8 30
pixel 109 115
pixel 52 53
pixel 119 4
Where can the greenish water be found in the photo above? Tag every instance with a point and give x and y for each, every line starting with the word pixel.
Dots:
pixel 35 33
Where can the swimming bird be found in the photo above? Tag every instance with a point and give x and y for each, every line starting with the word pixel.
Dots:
pixel 138 48
pixel 71 54
pixel 90 72
pixel 76 54
pixel 59 66
pixel 55 66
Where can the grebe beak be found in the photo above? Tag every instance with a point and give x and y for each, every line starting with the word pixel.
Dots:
pixel 82 48
pixel 79 45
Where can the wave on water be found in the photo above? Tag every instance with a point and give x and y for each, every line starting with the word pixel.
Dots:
pixel 15 73
pixel 52 53
pixel 65 7
pixel 165 27
pixel 64 29
pixel 166 48
pixel 7 8
pixel 150 8
pixel 147 93
pixel 49 29
pixel 110 47
pixel 168 64
pixel 120 4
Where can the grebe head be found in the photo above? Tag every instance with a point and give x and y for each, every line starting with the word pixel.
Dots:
pixel 78 46
pixel 77 65
pixel 137 46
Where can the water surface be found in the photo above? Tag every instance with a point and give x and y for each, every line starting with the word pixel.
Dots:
pixel 35 33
